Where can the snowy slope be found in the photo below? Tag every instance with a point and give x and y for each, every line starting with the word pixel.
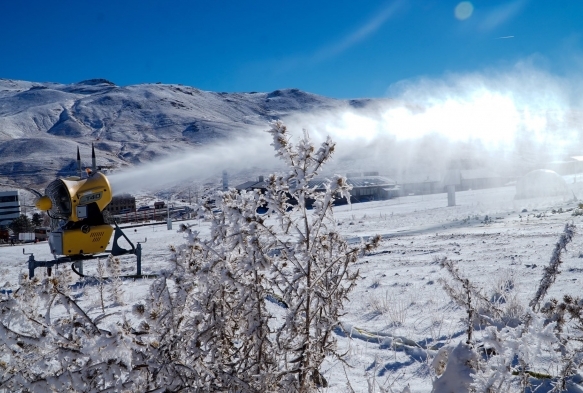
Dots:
pixel 398 304
pixel 42 123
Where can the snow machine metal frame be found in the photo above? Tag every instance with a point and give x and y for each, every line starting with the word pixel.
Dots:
pixel 77 260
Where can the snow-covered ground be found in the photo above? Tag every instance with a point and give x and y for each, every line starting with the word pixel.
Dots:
pixel 398 305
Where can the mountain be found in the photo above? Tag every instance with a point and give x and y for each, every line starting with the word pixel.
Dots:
pixel 41 124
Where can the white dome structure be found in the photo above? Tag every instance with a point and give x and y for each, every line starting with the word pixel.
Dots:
pixel 541 183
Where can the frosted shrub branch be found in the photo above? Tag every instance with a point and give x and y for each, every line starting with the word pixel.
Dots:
pixel 518 358
pixel 551 271
pixel 464 298
pixel 251 308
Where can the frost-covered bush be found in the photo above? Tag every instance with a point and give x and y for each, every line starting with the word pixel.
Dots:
pixel 497 305
pixel 49 343
pixel 543 351
pixel 250 309
pixel 267 290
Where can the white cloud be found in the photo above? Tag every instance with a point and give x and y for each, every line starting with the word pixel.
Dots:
pixel 359 35
pixel 336 48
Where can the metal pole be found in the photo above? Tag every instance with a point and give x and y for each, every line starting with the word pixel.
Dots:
pixel 450 195
pixel 168 220
pixel 31 266
pixel 79 265
pixel 139 259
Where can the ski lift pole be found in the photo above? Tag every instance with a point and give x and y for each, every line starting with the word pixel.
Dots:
pixel 138 254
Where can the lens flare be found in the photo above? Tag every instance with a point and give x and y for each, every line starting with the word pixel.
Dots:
pixel 463 10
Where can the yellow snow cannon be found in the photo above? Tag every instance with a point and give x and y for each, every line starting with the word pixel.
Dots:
pixel 79 231
pixel 75 206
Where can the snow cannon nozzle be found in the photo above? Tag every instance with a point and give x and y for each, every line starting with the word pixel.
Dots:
pixel 44 203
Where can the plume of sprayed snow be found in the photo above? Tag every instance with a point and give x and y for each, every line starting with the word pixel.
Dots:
pixel 233 155
pixel 518 114
pixel 509 121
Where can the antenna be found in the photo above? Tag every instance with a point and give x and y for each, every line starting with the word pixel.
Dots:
pixel 93 164
pixel 78 162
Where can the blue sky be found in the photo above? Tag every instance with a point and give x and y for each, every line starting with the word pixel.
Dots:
pixel 343 49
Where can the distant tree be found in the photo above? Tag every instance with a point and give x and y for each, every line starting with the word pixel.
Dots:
pixel 22 224
pixel 46 220
pixel 37 219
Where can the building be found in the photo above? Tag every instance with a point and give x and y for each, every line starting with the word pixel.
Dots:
pixel 258 184
pixel 365 187
pixel 476 179
pixel 466 179
pixel 569 166
pixel 371 187
pixel 542 183
pixel 9 207
pixel 420 183
pixel 124 203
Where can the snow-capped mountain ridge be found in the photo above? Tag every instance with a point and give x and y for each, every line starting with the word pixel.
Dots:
pixel 42 123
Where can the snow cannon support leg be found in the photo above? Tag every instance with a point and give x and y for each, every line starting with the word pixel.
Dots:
pixel 31 266
pixel 116 250
pixel 79 266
